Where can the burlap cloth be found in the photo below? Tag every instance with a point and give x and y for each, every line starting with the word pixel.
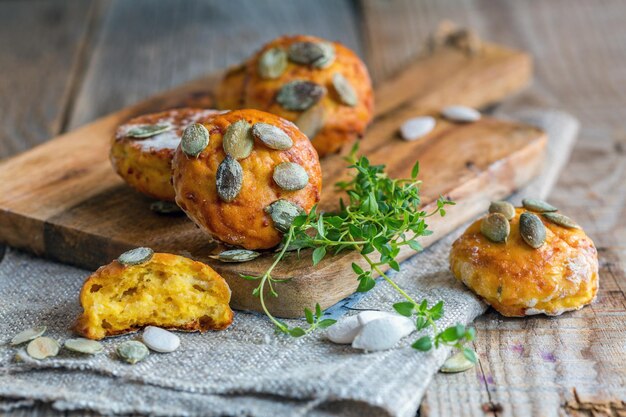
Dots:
pixel 246 369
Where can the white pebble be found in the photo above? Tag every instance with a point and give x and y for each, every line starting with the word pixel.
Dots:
pixel 160 340
pixel 417 127
pixel 383 333
pixel 346 329
pixel 461 114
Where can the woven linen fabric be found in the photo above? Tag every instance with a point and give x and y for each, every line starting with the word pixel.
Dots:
pixel 246 369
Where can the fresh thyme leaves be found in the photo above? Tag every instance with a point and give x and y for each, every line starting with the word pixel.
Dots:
pixel 381 217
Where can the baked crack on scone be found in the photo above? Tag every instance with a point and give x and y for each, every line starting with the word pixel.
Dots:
pixel 164 290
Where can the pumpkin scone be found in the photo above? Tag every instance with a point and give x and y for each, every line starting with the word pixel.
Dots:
pixel 142 288
pixel 528 260
pixel 322 86
pixel 142 149
pixel 242 176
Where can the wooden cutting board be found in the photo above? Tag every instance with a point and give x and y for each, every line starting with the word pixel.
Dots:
pixel 63 201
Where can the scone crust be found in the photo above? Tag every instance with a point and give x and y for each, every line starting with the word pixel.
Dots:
pixel 110 274
pixel 342 123
pixel 517 280
pixel 146 164
pixel 243 221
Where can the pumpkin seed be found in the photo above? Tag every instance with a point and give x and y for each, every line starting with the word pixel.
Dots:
pixel 236 255
pixel 165 207
pixel 561 220
pixel 132 351
pixel 319 55
pixel 299 95
pixel 538 206
pixel 344 90
pixel 461 114
pixel 503 207
pixel 457 363
pixel 229 178
pixel 273 63
pixel 160 340
pixel 135 256
pixel 495 227
pixel 532 230
pixel 417 127
pixel 238 141
pixel 42 348
pixel 82 345
pixel 272 136
pixel 146 131
pixel 290 176
pixel 282 213
pixel 311 121
pixel 28 335
pixel 194 140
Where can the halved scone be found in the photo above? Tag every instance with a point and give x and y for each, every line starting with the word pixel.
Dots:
pixel 165 290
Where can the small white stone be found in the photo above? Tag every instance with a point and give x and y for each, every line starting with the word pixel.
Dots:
pixel 371 315
pixel 460 114
pixel 346 329
pixel 160 340
pixel 417 127
pixel 383 333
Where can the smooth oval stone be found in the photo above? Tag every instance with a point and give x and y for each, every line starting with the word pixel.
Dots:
pixel 136 256
pixel 160 340
pixel 237 141
pixel 236 255
pixel 272 63
pixel 28 335
pixel 311 121
pixel 561 220
pixel 282 213
pixel 495 227
pixel 417 127
pixel 461 114
pixel 344 90
pixel 457 363
pixel 299 95
pixel 229 179
pixel 538 206
pixel 290 176
pixel 146 131
pixel 132 351
pixel 383 333
pixel 42 348
pixel 194 140
pixel 273 137
pixel 503 207
pixel 532 230
pixel 83 345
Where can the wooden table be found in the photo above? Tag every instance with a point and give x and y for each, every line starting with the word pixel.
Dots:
pixel 64 63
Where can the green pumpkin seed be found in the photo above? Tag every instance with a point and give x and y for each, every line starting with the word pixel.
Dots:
pixel 146 131
pixel 272 136
pixel 538 206
pixel 165 207
pixel 311 121
pixel 532 230
pixel 290 176
pixel 28 335
pixel 282 213
pixel 136 256
pixel 236 255
pixel 299 95
pixel 344 90
pixel 502 207
pixel 132 351
pixel 194 140
pixel 318 55
pixel 42 348
pixel 229 178
pixel 238 141
pixel 457 363
pixel 273 63
pixel 495 227
pixel 82 345
pixel 561 220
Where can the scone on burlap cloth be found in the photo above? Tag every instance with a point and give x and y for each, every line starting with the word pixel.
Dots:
pixel 246 369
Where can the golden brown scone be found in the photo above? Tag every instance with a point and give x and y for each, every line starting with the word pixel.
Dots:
pixel 145 163
pixel 330 121
pixel 517 280
pixel 242 218
pixel 167 291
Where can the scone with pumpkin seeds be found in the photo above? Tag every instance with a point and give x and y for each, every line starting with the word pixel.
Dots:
pixel 540 263
pixel 243 175
pixel 153 289
pixel 143 148
pixel 320 85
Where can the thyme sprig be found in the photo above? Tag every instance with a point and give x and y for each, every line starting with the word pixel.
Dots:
pixel 381 217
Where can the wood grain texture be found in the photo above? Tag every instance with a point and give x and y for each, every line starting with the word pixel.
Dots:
pixel 78 211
